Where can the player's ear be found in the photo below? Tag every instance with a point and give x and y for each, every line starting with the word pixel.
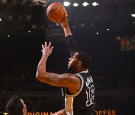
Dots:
pixel 79 62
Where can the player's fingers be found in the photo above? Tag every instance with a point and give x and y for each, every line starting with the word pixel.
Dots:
pixel 42 46
pixel 52 47
pixel 45 44
pixel 49 44
pixel 66 14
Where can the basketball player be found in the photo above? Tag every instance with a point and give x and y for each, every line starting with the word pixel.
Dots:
pixel 16 106
pixel 78 83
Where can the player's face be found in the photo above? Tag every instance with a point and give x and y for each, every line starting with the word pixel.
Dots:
pixel 72 64
pixel 24 107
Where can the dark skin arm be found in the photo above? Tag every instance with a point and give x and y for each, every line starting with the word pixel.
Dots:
pixel 61 80
pixel 71 43
pixel 65 26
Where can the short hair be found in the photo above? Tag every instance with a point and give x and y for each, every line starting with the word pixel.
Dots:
pixel 85 58
pixel 14 106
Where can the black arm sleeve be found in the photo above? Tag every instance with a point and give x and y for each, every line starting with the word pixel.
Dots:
pixel 71 44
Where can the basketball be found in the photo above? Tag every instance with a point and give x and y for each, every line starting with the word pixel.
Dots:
pixel 56 12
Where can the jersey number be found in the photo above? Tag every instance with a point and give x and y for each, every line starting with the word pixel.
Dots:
pixel 90 95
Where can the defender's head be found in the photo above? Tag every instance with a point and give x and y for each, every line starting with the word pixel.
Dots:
pixel 16 106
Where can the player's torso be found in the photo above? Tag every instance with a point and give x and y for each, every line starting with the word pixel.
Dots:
pixel 84 99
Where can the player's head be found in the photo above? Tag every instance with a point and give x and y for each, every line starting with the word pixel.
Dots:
pixel 79 61
pixel 16 106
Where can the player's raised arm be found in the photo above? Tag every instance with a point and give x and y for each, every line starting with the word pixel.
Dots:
pixel 71 43
pixel 42 75
pixel 66 27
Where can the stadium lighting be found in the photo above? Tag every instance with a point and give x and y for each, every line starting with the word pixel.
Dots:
pixel 66 3
pixel 75 4
pixel 85 3
pixel 95 4
pixel 133 15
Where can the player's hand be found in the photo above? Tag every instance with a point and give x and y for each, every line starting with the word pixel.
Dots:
pixel 47 49
pixel 61 112
pixel 64 22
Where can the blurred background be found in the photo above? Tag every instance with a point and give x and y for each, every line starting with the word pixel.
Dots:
pixel 104 28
